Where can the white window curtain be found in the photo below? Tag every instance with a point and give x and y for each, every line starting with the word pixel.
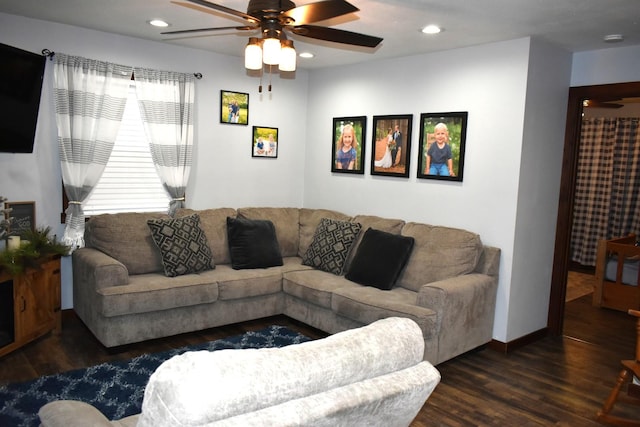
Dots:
pixel 90 97
pixel 166 104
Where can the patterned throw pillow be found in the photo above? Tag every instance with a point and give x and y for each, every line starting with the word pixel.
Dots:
pixel 183 245
pixel 331 244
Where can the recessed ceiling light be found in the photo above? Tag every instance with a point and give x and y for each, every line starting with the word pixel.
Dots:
pixel 431 29
pixel 613 38
pixel 306 55
pixel 158 23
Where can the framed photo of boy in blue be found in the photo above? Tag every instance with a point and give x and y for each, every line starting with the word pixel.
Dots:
pixel 234 107
pixel 347 148
pixel 442 143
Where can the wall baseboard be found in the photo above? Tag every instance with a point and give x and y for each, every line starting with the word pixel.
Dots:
pixel 505 348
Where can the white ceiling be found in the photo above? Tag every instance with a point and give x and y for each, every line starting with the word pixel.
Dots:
pixel 575 25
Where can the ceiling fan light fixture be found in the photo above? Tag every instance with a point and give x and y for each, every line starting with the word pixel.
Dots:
pixel 271 51
pixel 613 38
pixel 158 23
pixel 287 56
pixel 253 54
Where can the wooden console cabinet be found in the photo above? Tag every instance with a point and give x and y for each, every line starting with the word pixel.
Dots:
pixel 36 303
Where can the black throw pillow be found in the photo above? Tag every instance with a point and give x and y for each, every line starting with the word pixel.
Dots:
pixel 252 243
pixel 380 258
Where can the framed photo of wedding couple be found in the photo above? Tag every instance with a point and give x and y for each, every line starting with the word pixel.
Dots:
pixel 348 148
pixel 442 143
pixel 234 107
pixel 264 142
pixel 391 145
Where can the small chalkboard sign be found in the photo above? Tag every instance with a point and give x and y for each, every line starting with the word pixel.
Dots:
pixel 24 217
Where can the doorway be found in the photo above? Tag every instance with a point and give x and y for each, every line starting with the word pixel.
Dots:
pixel 577 96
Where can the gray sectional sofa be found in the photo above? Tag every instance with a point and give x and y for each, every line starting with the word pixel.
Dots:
pixel 123 294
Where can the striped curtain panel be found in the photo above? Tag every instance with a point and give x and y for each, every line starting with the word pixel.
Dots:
pixel 90 97
pixel 606 201
pixel 166 105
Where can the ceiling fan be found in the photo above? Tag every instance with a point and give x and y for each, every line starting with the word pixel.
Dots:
pixel 273 17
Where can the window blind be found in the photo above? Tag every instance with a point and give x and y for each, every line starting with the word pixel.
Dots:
pixel 130 182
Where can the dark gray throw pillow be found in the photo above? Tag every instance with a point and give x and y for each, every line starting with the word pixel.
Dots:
pixel 253 243
pixel 331 244
pixel 183 245
pixel 380 258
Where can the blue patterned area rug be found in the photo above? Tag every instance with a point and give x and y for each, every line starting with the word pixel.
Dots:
pixel 116 388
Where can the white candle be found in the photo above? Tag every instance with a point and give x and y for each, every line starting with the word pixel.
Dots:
pixel 14 242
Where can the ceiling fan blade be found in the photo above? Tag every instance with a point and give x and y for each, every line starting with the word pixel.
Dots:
pixel 334 35
pixel 319 11
pixel 225 9
pixel 198 30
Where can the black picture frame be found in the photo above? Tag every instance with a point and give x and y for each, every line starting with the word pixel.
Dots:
pixel 456 130
pixel 24 217
pixel 387 145
pixel 229 99
pixel 264 142
pixel 359 126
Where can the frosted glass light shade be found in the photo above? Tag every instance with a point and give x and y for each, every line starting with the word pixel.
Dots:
pixel 287 56
pixel 253 55
pixel 271 51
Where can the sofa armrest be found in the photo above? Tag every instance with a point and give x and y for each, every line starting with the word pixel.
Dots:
pixel 70 413
pixel 465 306
pixel 98 270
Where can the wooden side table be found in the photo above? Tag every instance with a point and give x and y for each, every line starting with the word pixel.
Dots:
pixel 36 304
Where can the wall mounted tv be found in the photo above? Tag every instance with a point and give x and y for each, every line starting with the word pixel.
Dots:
pixel 21 75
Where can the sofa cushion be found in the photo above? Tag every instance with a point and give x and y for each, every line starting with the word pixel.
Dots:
pixel 253 243
pixel 380 258
pixel 285 221
pixel 439 253
pixel 309 220
pixel 127 238
pixel 389 225
pixel 314 286
pixel 183 245
pixel 365 304
pixel 214 224
pixel 331 244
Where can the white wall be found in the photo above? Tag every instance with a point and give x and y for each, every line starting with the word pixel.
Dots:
pixel 224 173
pixel 491 82
pixel 604 66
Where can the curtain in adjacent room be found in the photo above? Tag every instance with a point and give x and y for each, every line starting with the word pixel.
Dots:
pixel 606 202
pixel 166 101
pixel 90 97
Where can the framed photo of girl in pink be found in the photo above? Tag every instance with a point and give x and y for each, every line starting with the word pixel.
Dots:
pixel 347 148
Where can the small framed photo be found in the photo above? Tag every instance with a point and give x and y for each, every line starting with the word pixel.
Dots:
pixel 442 142
pixel 264 142
pixel 391 145
pixel 234 107
pixel 347 149
pixel 24 217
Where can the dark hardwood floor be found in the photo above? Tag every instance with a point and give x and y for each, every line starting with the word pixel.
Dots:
pixel 558 381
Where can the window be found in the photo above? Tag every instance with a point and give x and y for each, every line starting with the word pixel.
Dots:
pixel 130 181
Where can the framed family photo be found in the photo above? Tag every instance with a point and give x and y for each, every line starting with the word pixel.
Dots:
pixel 442 143
pixel 264 142
pixel 347 148
pixel 391 145
pixel 234 107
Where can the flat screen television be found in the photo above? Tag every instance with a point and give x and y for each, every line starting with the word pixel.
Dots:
pixel 21 75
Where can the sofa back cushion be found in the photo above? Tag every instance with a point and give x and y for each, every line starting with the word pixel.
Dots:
pixel 202 387
pixel 309 221
pixel 438 253
pixel 127 238
pixel 214 224
pixel 285 221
